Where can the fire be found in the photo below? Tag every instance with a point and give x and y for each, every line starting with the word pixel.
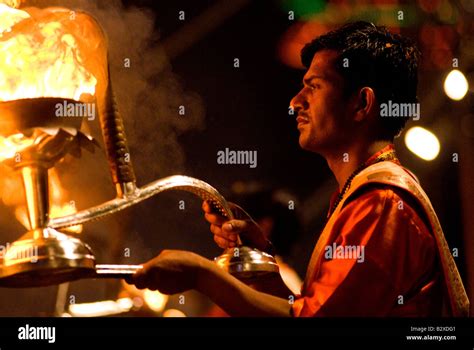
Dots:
pixel 11 146
pixel 12 3
pixel 51 52
pixel 43 54
pixel 9 17
pixel 59 207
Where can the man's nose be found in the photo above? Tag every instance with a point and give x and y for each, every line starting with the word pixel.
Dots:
pixel 299 103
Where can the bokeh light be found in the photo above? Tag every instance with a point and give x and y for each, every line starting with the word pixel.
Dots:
pixel 456 85
pixel 422 142
pixel 155 300
pixel 173 313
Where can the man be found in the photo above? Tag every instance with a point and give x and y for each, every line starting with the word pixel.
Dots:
pixel 382 251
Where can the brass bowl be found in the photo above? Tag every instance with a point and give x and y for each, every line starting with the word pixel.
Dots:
pixel 247 263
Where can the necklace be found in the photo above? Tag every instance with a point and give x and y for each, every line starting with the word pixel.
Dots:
pixel 390 155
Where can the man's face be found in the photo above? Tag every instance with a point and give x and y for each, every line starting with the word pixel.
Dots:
pixel 322 110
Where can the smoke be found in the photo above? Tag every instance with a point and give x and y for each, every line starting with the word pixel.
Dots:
pixel 150 98
pixel 149 95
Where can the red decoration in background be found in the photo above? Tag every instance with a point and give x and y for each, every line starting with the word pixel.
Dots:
pixel 429 6
pixel 295 38
pixel 437 44
pixel 300 34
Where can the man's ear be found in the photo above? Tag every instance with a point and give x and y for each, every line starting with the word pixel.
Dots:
pixel 365 104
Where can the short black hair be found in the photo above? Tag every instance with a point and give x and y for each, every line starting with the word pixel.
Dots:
pixel 371 56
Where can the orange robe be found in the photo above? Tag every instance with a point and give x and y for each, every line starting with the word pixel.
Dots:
pixel 395 271
pixel 399 257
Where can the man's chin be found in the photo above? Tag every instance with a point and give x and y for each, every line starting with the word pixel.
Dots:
pixel 305 144
pixel 308 145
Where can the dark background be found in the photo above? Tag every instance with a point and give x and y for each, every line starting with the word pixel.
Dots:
pixel 247 109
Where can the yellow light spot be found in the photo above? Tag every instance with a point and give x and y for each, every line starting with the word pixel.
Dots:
pixel 173 313
pixel 456 85
pixel 155 300
pixel 422 142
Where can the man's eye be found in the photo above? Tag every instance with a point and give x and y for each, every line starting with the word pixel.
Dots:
pixel 310 87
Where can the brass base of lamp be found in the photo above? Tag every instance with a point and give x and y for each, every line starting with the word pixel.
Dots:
pixel 45 257
pixel 247 263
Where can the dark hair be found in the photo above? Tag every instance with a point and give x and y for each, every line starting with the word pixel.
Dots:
pixel 386 62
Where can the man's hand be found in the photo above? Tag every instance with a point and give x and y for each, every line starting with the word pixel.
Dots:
pixel 171 272
pixel 175 271
pixel 227 231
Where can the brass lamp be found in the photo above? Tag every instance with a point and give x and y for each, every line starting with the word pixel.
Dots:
pixel 47 254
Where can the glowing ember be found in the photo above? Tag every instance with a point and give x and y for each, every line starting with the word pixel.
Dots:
pixel 44 53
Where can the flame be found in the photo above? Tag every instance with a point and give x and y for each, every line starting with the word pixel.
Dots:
pixel 52 52
pixel 12 3
pixel 9 17
pixel 43 54
pixel 59 207
pixel 22 216
pixel 11 146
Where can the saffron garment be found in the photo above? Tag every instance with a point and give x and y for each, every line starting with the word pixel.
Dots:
pixel 382 253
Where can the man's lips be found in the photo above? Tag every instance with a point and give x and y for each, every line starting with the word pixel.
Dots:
pixel 302 119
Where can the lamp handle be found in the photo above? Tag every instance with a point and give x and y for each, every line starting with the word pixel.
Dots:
pixel 116 144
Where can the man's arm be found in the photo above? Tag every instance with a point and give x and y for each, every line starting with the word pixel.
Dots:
pixel 238 299
pixel 272 284
pixel 175 271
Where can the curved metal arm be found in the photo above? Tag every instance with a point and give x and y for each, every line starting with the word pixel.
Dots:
pixel 176 182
